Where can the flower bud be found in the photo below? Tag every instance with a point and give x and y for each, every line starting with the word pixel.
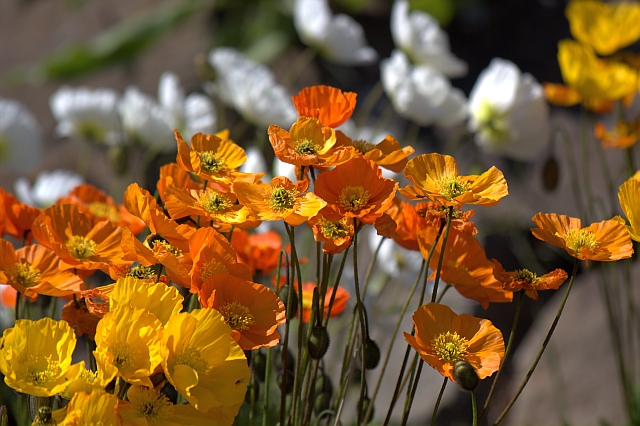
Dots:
pixel 285 381
pixel 324 385
pixel 322 402
pixel 371 354
pixel 283 294
pixel 363 406
pixel 465 375
pixel 318 342
pixel 290 362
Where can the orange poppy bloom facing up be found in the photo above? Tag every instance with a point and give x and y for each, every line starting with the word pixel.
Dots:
pixel 308 143
pixel 336 235
pixel 172 174
pixel 443 337
pixel 33 270
pixel 435 176
pixel 331 106
pixel 209 156
pixel 71 234
pixel 253 311
pixel 604 241
pixel 356 189
pixel 387 154
pixel 280 200
pixel 530 282
pixel 260 252
pixel 624 135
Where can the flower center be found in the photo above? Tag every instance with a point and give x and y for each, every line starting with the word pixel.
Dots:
pixel 150 404
pixel 212 267
pixel 282 199
pixel 81 247
pixel 124 356
pixel 353 198
pixel 41 369
pixel 141 272
pixel 237 316
pixel 363 146
pixel 104 210
pixel 191 357
pixel 213 202
pixel 210 163
pixel 449 346
pixel 88 376
pixel 305 147
pixel 493 125
pixel 158 243
pixel 578 238
pixel 452 187
pixel 335 230
pixel 527 276
pixel 24 274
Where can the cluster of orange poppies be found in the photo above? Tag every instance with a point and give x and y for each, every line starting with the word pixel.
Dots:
pixel 196 233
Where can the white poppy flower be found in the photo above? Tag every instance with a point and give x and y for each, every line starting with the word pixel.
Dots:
pixel 421 93
pixel 20 141
pixel 48 188
pixel 338 38
pixel 145 122
pixel 251 89
pixel 85 112
pixel 508 112
pixel 420 37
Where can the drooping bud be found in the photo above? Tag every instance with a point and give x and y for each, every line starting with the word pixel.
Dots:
pixel 283 294
pixel 289 360
pixel 371 354
pixel 318 342
pixel 322 402
pixel 324 385
pixel 465 375
pixel 363 406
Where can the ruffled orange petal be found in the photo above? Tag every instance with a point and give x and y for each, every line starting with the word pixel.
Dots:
pixel 329 105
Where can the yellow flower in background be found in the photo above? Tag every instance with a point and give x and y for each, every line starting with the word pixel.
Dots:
pixel 35 356
pixel 594 77
pixel 203 362
pixel 158 298
pixel 629 197
pixel 96 408
pixel 606 27
pixel 129 339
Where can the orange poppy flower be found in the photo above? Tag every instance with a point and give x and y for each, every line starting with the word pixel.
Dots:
pixel 604 241
pixel 336 236
pixel 331 106
pixel 465 266
pixel 629 197
pixel 173 174
pixel 17 217
pixel 624 135
pixel 253 311
pixel 216 203
pixel 71 234
pixel 33 270
pixel 260 252
pixel 435 176
pixel 280 200
pixel 356 189
pixel 339 305
pixel 387 153
pixel 531 283
pixel 308 143
pixel 80 318
pixel 99 205
pixel 140 272
pixel 213 254
pixel 565 96
pixel 443 337
pixel 209 156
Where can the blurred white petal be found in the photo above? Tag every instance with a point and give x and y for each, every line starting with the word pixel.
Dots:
pixel 20 141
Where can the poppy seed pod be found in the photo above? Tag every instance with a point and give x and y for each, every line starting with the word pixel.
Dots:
pixel 283 294
pixel 318 342
pixel 371 354
pixel 465 375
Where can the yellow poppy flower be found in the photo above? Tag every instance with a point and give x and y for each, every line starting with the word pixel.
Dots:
pixel 203 362
pixel 129 339
pixel 158 298
pixel 210 156
pixel 96 408
pixel 35 356
pixel 88 380
pixel 629 197
pixel 606 27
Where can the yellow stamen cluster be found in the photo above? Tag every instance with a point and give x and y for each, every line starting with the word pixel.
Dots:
pixel 282 199
pixel 452 187
pixel 578 238
pixel 192 358
pixel 104 210
pixel 151 405
pixel 305 147
pixel 363 146
pixel 124 356
pixel 214 202
pixel 81 247
pixel 88 376
pixel 212 267
pixel 450 346
pixel 353 198
pixel 237 316
pixel 41 369
pixel 24 274
pixel 158 243
pixel 335 230
pixel 526 275
pixel 141 272
pixel 210 162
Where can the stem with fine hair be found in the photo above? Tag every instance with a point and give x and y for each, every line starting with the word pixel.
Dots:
pixel 267 377
pixel 474 404
pixel 504 359
pixel 435 408
pixel 360 307
pixel 542 348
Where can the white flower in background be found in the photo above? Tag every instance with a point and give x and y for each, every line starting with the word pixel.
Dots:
pixel 48 188
pixel 87 113
pixel 20 141
pixel 420 37
pixel 421 93
pixel 251 89
pixel 255 162
pixel 145 122
pixel 508 112
pixel 338 38
pixel 190 115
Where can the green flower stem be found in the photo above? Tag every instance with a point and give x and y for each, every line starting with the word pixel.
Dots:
pixel 411 391
pixel 267 382
pixel 474 404
pixel 372 264
pixel 335 287
pixel 586 169
pixel 301 62
pixel 17 311
pixel 444 291
pixel 53 304
pixel 573 171
pixel 442 250
pixel 435 408
pixel 504 359
pixel 360 307
pixel 369 103
pixel 285 344
pixel 542 348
